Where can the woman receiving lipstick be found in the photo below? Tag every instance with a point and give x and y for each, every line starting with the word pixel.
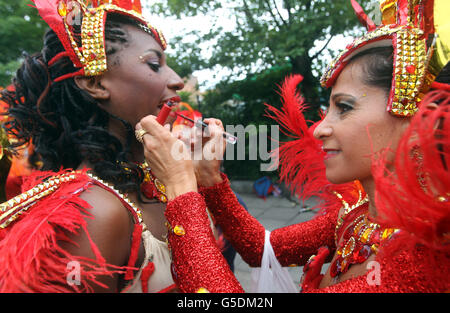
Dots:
pixel 379 159
pixel 91 217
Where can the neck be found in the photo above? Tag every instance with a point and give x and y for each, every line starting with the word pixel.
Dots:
pixel 369 187
pixel 136 153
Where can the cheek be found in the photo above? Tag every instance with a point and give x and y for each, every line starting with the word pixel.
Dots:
pixel 355 160
pixel 385 136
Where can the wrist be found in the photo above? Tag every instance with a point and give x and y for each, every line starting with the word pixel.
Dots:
pixel 182 185
pixel 210 179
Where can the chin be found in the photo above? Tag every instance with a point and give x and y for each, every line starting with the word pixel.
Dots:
pixel 338 178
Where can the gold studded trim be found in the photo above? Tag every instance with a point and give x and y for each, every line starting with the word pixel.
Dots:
pixel 92 54
pixel 347 210
pixel 13 208
pixel 410 78
pixel 137 212
pixel 335 67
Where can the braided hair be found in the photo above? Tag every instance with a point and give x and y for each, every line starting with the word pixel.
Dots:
pixel 63 122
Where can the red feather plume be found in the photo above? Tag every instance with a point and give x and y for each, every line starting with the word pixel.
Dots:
pixel 48 10
pixel 416 198
pixel 362 16
pixel 301 160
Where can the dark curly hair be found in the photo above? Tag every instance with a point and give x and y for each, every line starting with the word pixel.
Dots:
pixel 64 123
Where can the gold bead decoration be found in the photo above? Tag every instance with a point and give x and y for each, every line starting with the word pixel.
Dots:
pixel 179 230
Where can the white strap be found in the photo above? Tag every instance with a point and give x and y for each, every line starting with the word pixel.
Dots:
pixel 271 277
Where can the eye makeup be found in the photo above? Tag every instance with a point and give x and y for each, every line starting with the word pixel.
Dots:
pixel 152 58
pixel 344 102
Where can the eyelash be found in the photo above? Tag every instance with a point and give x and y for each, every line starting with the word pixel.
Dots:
pixel 154 66
pixel 344 107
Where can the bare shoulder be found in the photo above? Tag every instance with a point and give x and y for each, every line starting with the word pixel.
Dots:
pixel 110 227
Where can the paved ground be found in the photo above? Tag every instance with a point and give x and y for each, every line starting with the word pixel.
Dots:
pixel 272 213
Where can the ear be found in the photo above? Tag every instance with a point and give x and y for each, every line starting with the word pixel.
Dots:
pixel 93 86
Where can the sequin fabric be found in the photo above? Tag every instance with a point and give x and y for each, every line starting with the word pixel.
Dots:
pixel 197 263
pixel 398 270
pixel 292 244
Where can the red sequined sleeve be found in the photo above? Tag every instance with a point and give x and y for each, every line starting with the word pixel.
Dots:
pixel 292 244
pixel 197 263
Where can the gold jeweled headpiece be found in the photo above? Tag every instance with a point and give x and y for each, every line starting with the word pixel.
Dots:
pixel 90 57
pixel 420 36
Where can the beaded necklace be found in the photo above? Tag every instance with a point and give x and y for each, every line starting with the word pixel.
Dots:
pixel 151 187
pixel 361 239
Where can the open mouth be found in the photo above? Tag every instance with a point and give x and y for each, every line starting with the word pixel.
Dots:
pixel 330 153
pixel 174 101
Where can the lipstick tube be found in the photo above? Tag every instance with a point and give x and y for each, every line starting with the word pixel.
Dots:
pixel 164 113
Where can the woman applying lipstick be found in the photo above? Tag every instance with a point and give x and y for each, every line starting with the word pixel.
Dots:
pixel 91 217
pixel 387 232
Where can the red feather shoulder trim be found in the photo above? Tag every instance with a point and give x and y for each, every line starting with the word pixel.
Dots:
pixel 31 260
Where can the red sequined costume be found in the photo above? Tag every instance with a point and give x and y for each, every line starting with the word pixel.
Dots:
pixel 34 225
pixel 416 259
pixel 421 267
pixel 411 241
pixel 198 264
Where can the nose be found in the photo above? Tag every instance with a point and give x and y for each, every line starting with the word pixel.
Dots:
pixel 323 130
pixel 174 82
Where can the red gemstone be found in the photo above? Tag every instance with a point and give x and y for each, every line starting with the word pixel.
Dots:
pixel 333 269
pixel 411 69
pixel 93 56
pixel 149 190
pixel 375 237
pixel 90 34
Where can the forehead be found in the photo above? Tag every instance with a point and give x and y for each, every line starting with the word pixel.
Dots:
pixel 139 39
pixel 350 79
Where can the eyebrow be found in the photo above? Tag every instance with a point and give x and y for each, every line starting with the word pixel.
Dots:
pixel 158 53
pixel 337 95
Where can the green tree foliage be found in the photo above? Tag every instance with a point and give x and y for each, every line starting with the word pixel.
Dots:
pixel 21 30
pixel 267 33
pixel 270 39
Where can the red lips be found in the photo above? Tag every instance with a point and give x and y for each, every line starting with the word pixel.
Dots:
pixel 330 153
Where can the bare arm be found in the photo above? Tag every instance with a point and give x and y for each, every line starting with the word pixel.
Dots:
pixel 110 230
